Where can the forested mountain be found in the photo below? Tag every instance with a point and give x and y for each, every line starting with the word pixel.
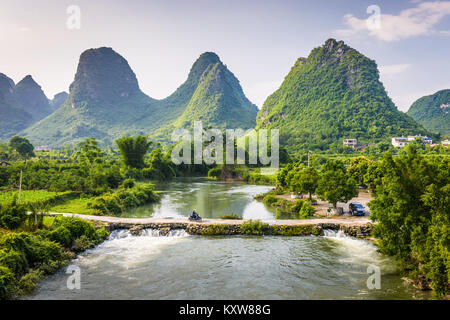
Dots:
pixel 332 94
pixel 105 102
pixel 58 100
pixel 433 112
pixel 213 95
pixel 12 118
pixel 31 98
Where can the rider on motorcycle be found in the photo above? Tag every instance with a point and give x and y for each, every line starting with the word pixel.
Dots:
pixel 194 216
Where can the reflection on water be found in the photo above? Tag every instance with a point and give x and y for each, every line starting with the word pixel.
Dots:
pixel 212 199
pixel 192 267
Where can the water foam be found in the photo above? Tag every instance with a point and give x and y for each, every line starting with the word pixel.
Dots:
pixel 355 251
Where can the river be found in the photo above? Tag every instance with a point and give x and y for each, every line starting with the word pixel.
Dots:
pixel 180 266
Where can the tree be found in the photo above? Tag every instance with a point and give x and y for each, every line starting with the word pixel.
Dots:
pixel 358 169
pixel 133 150
pixel 89 153
pixel 335 185
pixel 22 146
pixel 26 150
pixel 373 176
pixel 305 181
pixel 412 208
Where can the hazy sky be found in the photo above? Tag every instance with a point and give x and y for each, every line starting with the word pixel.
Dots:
pixel 258 40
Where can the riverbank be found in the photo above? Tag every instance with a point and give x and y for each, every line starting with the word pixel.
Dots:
pixel 358 227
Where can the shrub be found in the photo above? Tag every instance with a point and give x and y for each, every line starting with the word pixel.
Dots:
pixel 128 183
pixel 306 211
pixel 270 200
pixel 83 243
pixel 12 215
pixel 14 260
pixel 215 173
pixel 299 230
pixel 36 250
pixel 215 229
pixel 7 283
pixel 61 235
pixel 28 283
pixel 77 227
pixel 231 216
pixel 254 227
pixel 116 203
pixel 297 206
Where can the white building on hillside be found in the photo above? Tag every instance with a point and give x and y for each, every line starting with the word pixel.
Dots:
pixel 399 142
pixel 425 139
pixel 42 148
pixel 350 142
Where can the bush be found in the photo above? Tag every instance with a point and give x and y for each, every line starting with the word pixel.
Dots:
pixel 270 200
pixel 7 283
pixel 231 216
pixel 123 199
pixel 254 227
pixel 215 229
pixel 83 243
pixel 35 250
pixel 306 211
pixel 26 257
pixel 301 230
pixel 215 173
pixel 61 235
pixel 28 283
pixel 128 183
pixel 14 260
pixel 12 215
pixel 76 226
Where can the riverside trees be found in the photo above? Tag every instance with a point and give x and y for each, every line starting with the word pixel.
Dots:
pixel 412 208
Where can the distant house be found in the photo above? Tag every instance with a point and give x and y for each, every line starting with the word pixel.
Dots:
pixel 425 139
pixel 4 164
pixel 399 142
pixel 351 143
pixel 445 143
pixel 42 148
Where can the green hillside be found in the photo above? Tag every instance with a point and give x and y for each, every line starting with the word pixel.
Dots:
pixel 58 100
pixel 433 112
pixel 105 102
pixel 31 98
pixel 13 119
pixel 333 94
pixel 218 100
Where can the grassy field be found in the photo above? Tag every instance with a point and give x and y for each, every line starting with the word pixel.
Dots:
pixel 72 204
pixel 67 202
pixel 31 196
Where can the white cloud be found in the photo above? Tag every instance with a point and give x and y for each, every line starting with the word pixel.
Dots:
pixel 393 69
pixel 411 22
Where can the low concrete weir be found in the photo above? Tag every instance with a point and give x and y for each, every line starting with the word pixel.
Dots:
pixel 359 227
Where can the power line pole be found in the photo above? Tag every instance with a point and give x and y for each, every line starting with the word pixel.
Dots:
pixel 308 158
pixel 20 185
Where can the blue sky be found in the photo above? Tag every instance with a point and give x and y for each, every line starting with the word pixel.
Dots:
pixel 258 40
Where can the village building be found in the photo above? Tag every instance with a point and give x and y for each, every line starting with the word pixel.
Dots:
pixel 42 148
pixel 425 139
pixel 351 143
pixel 399 142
